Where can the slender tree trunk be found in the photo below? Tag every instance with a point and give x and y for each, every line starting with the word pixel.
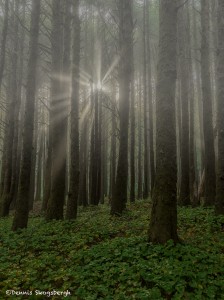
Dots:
pixel 132 150
pixel 192 98
pixel 83 195
pixel 149 71
pixel 84 123
pixel 72 204
pixel 39 168
pixel 210 185
pixel 113 151
pixel 140 141
pixel 66 85
pixel 95 152
pixel 57 194
pixel 132 129
pixel 184 197
pixel 125 43
pixel 198 90
pixel 34 159
pixel 146 148
pixel 19 117
pixel 22 205
pixel 47 173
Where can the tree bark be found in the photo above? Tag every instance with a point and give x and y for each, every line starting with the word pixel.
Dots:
pixel 163 224
pixel 145 99
pixel 125 43
pixel 184 197
pixel 219 205
pixel 22 204
pixel 150 100
pixel 57 194
pixel 132 149
pixel 140 142
pixel 6 198
pixel 210 184
pixel 72 203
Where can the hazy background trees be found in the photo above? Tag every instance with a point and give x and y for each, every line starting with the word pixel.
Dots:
pixel 106 101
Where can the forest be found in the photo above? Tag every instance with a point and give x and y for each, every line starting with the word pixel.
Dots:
pixel 112 149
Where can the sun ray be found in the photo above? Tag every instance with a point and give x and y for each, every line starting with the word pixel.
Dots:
pixel 111 68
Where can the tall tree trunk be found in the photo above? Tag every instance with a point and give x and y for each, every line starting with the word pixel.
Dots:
pixel 57 194
pixel 132 149
pixel 163 225
pixel 219 205
pixel 149 71
pixel 66 85
pixel 210 184
pixel 22 204
pixel 6 198
pixel 184 197
pixel 47 171
pixel 140 141
pixel 33 163
pixel 199 129
pixel 192 98
pixel 95 180
pixel 83 195
pixel 113 151
pixel 19 116
pixel 145 99
pixel 125 44
pixel 84 122
pixel 72 203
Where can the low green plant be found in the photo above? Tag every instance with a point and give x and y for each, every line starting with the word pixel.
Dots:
pixel 103 257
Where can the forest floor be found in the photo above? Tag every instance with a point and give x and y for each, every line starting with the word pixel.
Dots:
pixel 104 257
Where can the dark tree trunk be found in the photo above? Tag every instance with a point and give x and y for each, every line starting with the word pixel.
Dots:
pixel 47 174
pixel 95 152
pixel 184 197
pixel 145 99
pixel 149 71
pixel 197 55
pixel 33 161
pixel 105 159
pixel 140 142
pixel 210 184
pixel 6 198
pixel 72 203
pixel 66 85
pixel 219 205
pixel 19 117
pixel 113 151
pixel 132 150
pixel 192 98
pixel 163 225
pixel 84 123
pixel 125 44
pixel 39 168
pixel 22 204
pixel 83 195
pixel 57 194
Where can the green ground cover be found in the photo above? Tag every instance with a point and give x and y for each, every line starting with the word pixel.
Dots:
pixel 103 257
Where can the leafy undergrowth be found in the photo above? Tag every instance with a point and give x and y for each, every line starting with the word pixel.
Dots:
pixel 103 257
